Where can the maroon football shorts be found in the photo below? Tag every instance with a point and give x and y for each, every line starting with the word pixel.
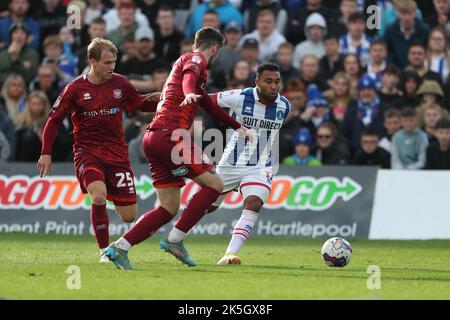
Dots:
pixel 118 177
pixel 170 166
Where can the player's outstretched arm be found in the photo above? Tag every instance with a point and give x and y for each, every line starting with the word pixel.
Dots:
pixel 44 165
pixel 48 137
pixel 188 84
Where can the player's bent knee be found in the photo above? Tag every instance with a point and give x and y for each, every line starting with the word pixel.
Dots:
pixel 98 199
pixel 253 203
pixel 217 184
pixel 172 208
pixel 128 219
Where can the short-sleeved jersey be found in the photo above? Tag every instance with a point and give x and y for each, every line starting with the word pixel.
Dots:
pixel 96 113
pixel 169 114
pixel 266 122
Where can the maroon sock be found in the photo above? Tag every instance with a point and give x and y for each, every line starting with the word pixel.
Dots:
pixel 100 223
pixel 196 208
pixel 147 225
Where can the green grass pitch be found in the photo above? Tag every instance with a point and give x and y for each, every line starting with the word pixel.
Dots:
pixel 34 267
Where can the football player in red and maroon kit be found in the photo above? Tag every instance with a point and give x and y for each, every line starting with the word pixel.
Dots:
pixel 169 131
pixel 95 102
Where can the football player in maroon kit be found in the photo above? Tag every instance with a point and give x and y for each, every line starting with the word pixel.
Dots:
pixel 166 138
pixel 95 102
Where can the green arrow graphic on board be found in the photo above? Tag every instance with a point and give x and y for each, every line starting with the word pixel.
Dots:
pixel 144 189
pixel 320 193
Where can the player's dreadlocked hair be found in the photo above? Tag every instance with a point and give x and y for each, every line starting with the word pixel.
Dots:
pixel 207 37
pixel 97 46
pixel 269 66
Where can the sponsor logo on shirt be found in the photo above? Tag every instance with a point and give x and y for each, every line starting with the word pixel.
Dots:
pixel 179 172
pixel 103 112
pixel 87 96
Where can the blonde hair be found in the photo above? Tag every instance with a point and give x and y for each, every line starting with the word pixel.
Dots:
pixel 26 119
pixel 330 94
pixel 97 46
pixel 405 6
pixel 446 54
pixel 12 106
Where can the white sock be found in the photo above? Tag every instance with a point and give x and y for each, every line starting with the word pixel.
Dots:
pixel 123 244
pixel 242 230
pixel 102 250
pixel 176 235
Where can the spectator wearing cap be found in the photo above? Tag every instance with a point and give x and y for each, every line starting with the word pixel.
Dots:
pixel 167 36
pixel 231 52
pixel 438 153
pixel 285 58
pixel 315 30
pixel 18 57
pixel 18 10
pixel 268 37
pixel 406 30
pixel 295 28
pixel 317 110
pixel 370 153
pixel 390 93
pixel 126 28
pixel 409 144
pixel 225 10
pixel 251 14
pixel 366 113
pixel 139 68
pixel 356 41
pixel 250 53
pixel 430 92
pixel 417 62
pixel 331 148
pixel 51 16
pixel 112 17
pixel 303 145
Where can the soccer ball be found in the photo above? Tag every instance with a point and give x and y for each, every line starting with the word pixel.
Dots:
pixel 336 252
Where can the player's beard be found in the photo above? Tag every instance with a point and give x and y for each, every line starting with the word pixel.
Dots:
pixel 212 60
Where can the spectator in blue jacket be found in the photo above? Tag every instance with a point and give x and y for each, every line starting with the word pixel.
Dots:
pixel 226 11
pixel 406 30
pixel 18 9
pixel 366 113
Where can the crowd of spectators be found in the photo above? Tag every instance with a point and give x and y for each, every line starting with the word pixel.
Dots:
pixel 359 95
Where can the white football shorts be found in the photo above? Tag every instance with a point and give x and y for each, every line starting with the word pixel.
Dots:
pixel 249 181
